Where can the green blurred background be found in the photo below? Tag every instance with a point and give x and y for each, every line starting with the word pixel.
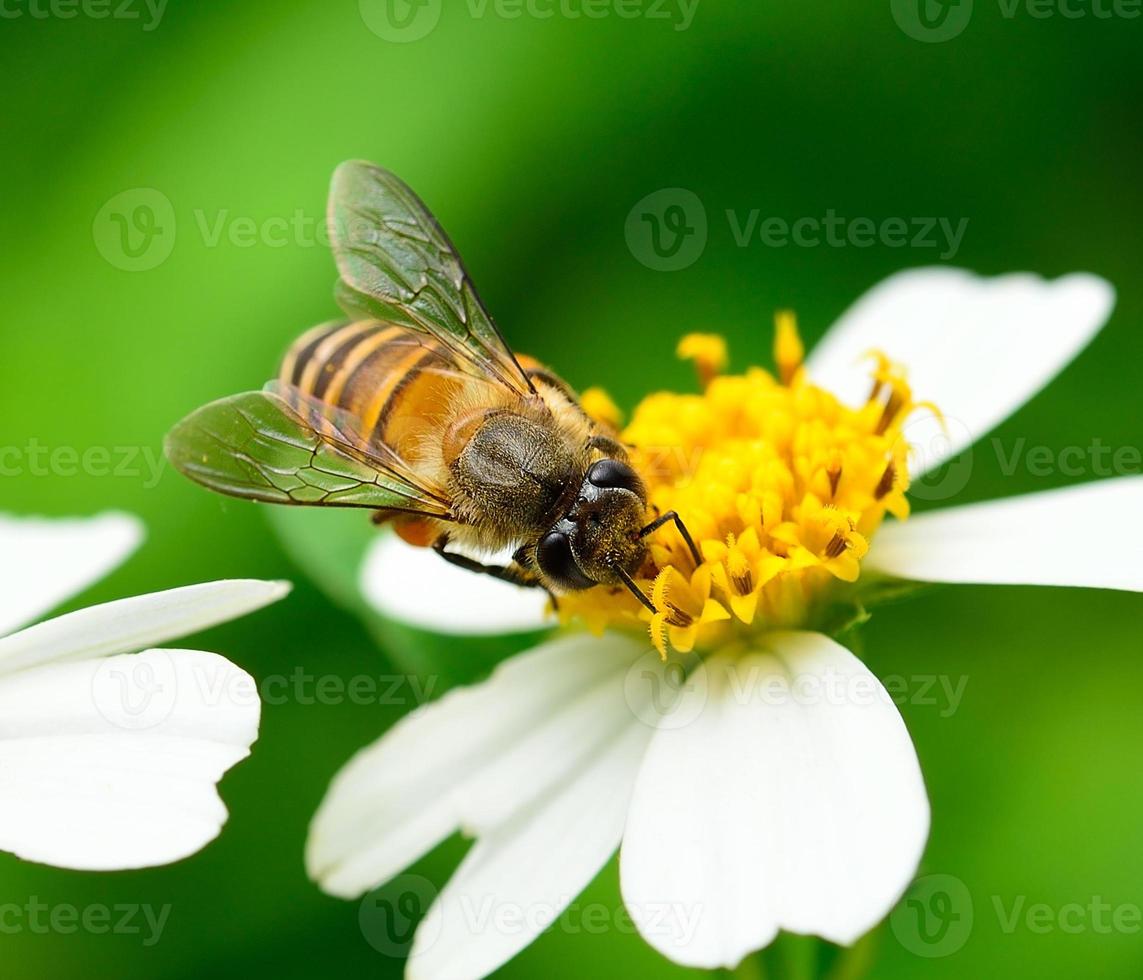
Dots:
pixel 532 139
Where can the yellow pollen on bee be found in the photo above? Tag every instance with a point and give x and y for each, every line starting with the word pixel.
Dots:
pixel 781 486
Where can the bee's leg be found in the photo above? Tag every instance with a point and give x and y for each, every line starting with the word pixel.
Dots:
pixel 608 446
pixel 671 515
pixel 514 573
pixel 633 588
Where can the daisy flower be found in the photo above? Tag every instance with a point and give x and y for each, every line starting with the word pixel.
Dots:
pixel 109 758
pixel 754 773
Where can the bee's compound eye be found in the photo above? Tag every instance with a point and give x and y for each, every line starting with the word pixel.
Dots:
pixel 556 561
pixel 613 473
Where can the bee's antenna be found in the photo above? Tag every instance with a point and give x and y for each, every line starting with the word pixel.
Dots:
pixel 671 515
pixel 634 589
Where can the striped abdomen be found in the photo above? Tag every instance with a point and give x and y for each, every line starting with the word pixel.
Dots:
pixel 397 384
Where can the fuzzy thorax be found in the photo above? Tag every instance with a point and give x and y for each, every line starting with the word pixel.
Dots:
pixel 781 485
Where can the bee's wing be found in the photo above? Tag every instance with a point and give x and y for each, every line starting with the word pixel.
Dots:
pixel 259 446
pixel 398 265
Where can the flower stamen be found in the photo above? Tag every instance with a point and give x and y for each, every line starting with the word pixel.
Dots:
pixel 837 545
pixel 707 351
pixel 678 617
pixel 887 481
pixel 789 352
pixel 892 409
pixel 780 485
pixel 833 472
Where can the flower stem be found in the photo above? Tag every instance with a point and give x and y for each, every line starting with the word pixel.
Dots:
pixel 750 968
pixel 855 962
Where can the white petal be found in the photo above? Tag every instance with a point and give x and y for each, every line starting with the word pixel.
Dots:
pixel 418 587
pixel 130 624
pixel 1089 535
pixel 793 800
pixel 470 760
pixel 977 347
pixel 45 561
pixel 519 878
pixel 113 763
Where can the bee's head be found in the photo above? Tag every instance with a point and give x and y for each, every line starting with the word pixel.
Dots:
pixel 600 532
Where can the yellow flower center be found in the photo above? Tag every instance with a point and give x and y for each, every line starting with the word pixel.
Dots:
pixel 780 484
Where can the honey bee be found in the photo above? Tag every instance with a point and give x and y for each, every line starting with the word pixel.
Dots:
pixel 416 408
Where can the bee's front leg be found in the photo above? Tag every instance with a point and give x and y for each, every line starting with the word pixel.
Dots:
pixel 515 573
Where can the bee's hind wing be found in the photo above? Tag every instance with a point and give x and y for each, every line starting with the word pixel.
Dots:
pixel 258 445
